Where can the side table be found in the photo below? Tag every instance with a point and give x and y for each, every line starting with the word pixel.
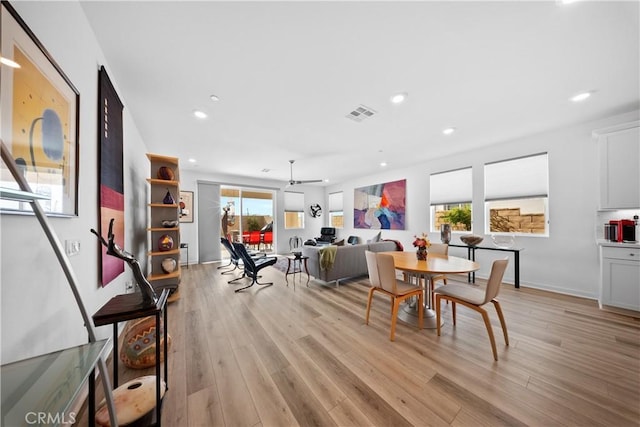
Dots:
pixel 298 263
pixel 128 307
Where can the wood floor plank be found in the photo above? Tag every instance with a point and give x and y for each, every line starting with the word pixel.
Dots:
pixel 204 409
pixel 346 414
pixel 270 404
pixel 307 410
pixel 379 411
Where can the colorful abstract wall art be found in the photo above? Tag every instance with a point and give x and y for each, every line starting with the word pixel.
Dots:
pixel 111 173
pixel 380 206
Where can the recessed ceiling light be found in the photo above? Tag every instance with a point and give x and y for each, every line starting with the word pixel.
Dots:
pixel 580 96
pixel 8 62
pixel 449 131
pixel 399 98
pixel 192 160
pixel 214 98
pixel 566 1
pixel 326 180
pixel 383 164
pixel 200 114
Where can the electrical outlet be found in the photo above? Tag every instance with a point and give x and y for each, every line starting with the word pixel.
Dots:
pixel 129 287
pixel 72 247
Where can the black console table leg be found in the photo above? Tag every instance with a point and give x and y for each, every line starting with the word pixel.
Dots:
pixel 517 267
pixel 158 379
pixel 115 356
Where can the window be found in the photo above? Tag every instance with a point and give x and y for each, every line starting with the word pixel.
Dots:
pixel 516 195
pixel 293 210
pixel 451 199
pixel 336 212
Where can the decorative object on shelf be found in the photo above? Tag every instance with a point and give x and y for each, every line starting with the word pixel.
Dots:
pixel 421 243
pixel 165 243
pixel 169 223
pixel 315 210
pixel 186 206
pixel 168 265
pixel 168 198
pixel 503 241
pixel 445 233
pixel 166 173
pixel 471 239
pixel 295 242
pixel 40 118
pixel 134 402
pixel 139 345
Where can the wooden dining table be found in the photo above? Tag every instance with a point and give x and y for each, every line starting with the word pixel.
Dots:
pixel 435 264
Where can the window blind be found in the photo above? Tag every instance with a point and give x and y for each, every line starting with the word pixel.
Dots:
pixel 451 187
pixel 520 178
pixel 335 202
pixel 293 202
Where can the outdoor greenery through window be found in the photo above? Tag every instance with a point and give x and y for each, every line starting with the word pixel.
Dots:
pixel 336 210
pixel 516 195
pixel 451 193
pixel 293 210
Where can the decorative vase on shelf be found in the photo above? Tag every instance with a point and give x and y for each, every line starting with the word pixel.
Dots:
pixel 445 233
pixel 421 253
pixel 168 198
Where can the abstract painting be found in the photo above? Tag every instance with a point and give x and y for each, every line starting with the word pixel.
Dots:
pixel 111 173
pixel 380 206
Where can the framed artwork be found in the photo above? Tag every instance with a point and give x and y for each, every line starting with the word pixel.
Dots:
pixel 380 206
pixel 39 119
pixel 186 206
pixel 111 175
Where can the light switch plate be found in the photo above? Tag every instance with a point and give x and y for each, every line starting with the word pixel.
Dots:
pixel 72 247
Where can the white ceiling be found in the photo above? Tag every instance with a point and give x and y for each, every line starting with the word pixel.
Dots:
pixel 287 74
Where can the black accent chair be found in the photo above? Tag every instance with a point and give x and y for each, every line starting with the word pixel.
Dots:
pixel 327 235
pixel 252 265
pixel 234 258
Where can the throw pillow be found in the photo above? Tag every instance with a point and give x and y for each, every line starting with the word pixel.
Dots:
pixel 339 243
pixel 376 238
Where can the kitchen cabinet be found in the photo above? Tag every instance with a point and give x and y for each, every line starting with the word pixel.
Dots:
pixel 620 269
pixel 619 156
pixel 164 238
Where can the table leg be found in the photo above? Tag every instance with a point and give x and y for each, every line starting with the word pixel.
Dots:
pixel 409 311
pixel 306 269
pixel 115 355
pixel 517 267
pixel 166 350
pixel 158 399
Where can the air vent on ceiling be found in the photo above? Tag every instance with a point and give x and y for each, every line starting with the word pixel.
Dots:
pixel 360 113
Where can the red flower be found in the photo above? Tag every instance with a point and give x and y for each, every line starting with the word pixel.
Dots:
pixel 421 241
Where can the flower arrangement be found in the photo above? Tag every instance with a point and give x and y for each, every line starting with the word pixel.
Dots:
pixel 421 241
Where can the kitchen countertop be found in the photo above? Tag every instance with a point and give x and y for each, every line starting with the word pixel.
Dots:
pixel 603 242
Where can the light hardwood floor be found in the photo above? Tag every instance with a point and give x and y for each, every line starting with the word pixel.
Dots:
pixel 285 356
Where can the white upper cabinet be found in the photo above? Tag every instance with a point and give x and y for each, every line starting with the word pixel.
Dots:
pixel 619 156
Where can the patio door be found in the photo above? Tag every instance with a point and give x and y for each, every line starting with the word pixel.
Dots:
pixel 247 216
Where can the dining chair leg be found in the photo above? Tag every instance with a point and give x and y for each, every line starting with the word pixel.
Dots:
pixel 420 310
pixel 366 319
pixel 453 311
pixel 438 298
pixel 496 304
pixel 487 323
pixel 394 317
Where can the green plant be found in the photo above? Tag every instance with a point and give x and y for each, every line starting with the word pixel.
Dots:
pixel 253 224
pixel 459 215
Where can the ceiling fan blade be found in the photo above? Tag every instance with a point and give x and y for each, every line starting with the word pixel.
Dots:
pixel 294 182
pixel 309 181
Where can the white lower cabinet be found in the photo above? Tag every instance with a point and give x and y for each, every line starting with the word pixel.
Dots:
pixel 620 277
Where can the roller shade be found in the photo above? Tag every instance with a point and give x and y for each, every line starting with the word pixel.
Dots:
pixel 451 187
pixel 335 202
pixel 293 202
pixel 520 178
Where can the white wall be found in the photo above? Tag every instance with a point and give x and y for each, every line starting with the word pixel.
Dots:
pixel 567 260
pixel 38 311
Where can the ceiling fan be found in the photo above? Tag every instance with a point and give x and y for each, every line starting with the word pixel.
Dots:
pixel 294 182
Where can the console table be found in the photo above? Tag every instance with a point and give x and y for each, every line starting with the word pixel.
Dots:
pixel 128 307
pixel 471 254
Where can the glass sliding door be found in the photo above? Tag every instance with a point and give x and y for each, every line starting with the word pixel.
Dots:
pixel 247 216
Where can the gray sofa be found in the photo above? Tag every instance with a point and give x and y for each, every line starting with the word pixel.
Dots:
pixel 349 260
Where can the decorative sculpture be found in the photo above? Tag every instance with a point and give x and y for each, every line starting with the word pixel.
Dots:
pixel 149 296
